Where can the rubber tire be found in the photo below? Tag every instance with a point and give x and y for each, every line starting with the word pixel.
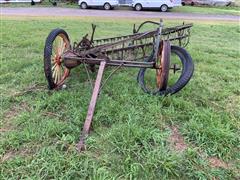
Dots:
pixel 109 5
pixel 83 7
pixel 136 7
pixel 47 55
pixel 164 10
pixel 187 72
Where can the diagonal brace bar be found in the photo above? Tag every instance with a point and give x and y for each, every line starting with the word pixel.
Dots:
pixel 81 144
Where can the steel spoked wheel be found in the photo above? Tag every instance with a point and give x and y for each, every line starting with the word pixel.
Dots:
pixel 56 44
pixel 162 70
pixel 183 71
pixel 153 80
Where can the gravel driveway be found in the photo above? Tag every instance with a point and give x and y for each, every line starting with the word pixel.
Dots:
pixel 55 11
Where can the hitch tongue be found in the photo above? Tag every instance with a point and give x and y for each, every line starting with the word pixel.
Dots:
pixel 91 108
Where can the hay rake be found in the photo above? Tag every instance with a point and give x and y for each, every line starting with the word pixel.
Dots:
pixel 144 50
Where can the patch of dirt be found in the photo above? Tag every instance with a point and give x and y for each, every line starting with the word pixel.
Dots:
pixel 52 114
pixel 5 129
pixel 176 140
pixel 232 104
pixel 214 162
pixel 15 110
pixel 12 113
pixel 11 154
pixel 30 89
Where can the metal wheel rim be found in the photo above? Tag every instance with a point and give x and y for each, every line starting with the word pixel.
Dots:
pixel 138 8
pixel 107 6
pixel 164 8
pixel 59 71
pixel 83 6
pixel 162 69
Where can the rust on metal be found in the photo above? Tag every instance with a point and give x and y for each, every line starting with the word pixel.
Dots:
pixel 163 68
pixel 149 49
pixel 59 72
pixel 91 108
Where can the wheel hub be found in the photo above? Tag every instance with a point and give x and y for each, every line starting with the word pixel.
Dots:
pixel 58 60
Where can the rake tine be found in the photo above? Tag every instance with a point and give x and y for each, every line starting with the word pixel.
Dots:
pixel 89 78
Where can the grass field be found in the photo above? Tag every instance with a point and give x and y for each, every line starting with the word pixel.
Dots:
pixel 207 10
pixel 191 135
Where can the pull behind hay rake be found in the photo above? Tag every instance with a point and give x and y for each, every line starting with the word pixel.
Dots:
pixel 149 50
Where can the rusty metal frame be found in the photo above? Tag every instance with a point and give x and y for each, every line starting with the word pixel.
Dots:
pixel 101 52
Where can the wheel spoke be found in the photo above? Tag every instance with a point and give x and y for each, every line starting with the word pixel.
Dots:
pixel 60 43
pixel 55 79
pixel 54 75
pixel 57 74
pixel 60 73
pixel 61 47
pixel 64 47
pixel 53 56
pixel 55 46
pixel 54 66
